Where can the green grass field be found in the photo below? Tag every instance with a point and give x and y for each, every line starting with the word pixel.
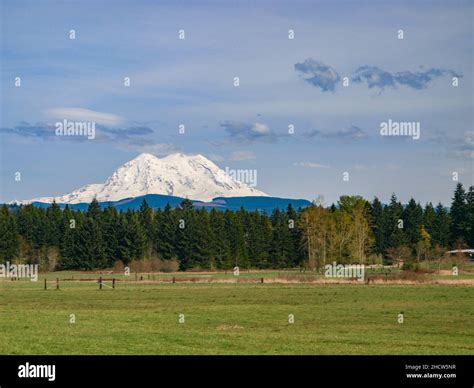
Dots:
pixel 143 318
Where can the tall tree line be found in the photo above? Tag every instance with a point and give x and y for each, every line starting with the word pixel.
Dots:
pixel 350 231
pixel 197 238
pixel 420 228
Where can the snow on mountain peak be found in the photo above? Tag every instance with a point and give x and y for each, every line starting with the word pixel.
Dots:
pixel 181 175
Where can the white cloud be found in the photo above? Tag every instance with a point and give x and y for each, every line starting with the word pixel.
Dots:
pixel 80 114
pixel 247 132
pixel 260 129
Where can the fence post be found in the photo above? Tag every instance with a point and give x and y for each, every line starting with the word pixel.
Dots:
pixel 174 279
pixel 113 282
pixel 100 283
pixel 57 283
pixel 261 280
pixel 136 275
pixel 45 285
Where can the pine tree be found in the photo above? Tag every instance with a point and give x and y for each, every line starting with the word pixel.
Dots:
pixel 183 233
pixel 132 241
pixel 280 249
pixel 377 225
pixel 469 229
pixel 186 205
pixel 94 210
pixel 412 223
pixel 54 217
pixel 111 237
pixel 236 233
pixel 69 251
pixel 89 245
pixel 200 239
pixel 256 243
pixel 9 237
pixel 220 246
pixel 440 231
pixel 146 218
pixel 241 220
pixel 146 221
pixel 458 214
pixel 24 222
pixel 165 233
pixel 266 231
pixel 393 224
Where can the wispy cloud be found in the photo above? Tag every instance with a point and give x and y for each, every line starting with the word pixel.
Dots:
pixel 309 165
pixel 375 77
pixel 125 133
pixel 23 129
pixel 464 148
pixel 81 114
pixel 456 147
pixel 318 74
pixel 47 132
pixel 351 133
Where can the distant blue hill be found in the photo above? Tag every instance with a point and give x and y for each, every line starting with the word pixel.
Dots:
pixel 157 201
pixel 259 203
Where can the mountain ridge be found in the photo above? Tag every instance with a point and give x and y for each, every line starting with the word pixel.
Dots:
pixel 158 201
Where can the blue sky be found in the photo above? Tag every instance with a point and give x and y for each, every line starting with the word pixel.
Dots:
pixel 282 81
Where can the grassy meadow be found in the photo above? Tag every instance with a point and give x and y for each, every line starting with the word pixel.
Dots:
pixel 233 318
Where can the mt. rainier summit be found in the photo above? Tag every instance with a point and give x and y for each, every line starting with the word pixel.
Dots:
pixel 189 176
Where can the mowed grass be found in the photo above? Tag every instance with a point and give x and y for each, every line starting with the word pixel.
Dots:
pixel 143 318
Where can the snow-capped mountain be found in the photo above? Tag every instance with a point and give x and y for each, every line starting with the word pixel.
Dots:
pixel 189 176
